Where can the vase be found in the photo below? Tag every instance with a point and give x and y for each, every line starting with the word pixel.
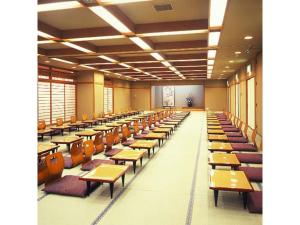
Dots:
pixel 190 104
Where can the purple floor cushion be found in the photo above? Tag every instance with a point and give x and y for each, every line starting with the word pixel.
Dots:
pixel 238 139
pixel 68 162
pixel 228 129
pixel 254 174
pixel 254 203
pixel 128 142
pixel 94 163
pixel 243 147
pixel 112 152
pixel 151 128
pixel 233 134
pixel 250 158
pixel 69 185
pixel 225 123
pixel 145 132
pixel 227 126
pixel 139 136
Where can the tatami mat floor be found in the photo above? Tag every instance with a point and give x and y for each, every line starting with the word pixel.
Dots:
pixel 170 189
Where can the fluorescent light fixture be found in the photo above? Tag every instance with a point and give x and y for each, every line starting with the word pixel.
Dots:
pixel 210 62
pixel 138 70
pixel 45 35
pixel 107 58
pixel 74 67
pixel 62 60
pixel 109 18
pixel 47 61
pixel 213 38
pixel 88 67
pixel 96 38
pixel 125 65
pixel 141 43
pixel 237 52
pixel 167 64
pixel 77 47
pixel 212 54
pixel 217 12
pixel 153 76
pixel 208 76
pixel 209 67
pixel 187 60
pixel 227 67
pixel 248 37
pixel 113 2
pixel 249 70
pixel 237 78
pixel 227 84
pixel 231 61
pixel 157 56
pixel 178 73
pixel 172 68
pixel 167 33
pixel 45 42
pixel 58 6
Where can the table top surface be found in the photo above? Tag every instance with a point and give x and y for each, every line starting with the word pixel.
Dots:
pixel 103 128
pixel 123 122
pixel 167 126
pixel 213 122
pixel 66 140
pixel 224 159
pixel 131 119
pixel 143 144
pixel 219 146
pixel 162 130
pixel 76 124
pixel 215 131
pixel 64 126
pixel 105 172
pixel 44 131
pixel 217 137
pixel 129 155
pixel 113 125
pixel 87 133
pixel 88 121
pixel 155 135
pixel 229 180
pixel 46 147
pixel 167 122
pixel 214 127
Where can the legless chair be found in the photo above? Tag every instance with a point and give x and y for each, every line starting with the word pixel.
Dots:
pixel 125 135
pixel 136 131
pixel 109 150
pixel 74 123
pixel 76 155
pixel 42 129
pixel 251 147
pixel 116 135
pixel 43 173
pixel 89 163
pixel 98 142
pixel 59 122
pixel 237 137
pixel 236 134
pixel 67 185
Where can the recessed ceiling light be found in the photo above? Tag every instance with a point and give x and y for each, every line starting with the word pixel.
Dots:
pixel 167 33
pixel 47 61
pixel 211 54
pixel 248 37
pixel 221 74
pixel 237 52
pixel 107 58
pixel 217 12
pixel 213 38
pixel 231 61
pixel 224 71
pixel 227 67
pixel 58 6
pixel 74 67
pixel 156 56
pixel 62 60
pixel 45 35
pixel 77 47
pixel 141 43
pixel 210 62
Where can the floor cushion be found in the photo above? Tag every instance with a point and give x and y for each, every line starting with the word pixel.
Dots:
pixel 127 142
pixel 243 147
pixel 145 132
pixel 139 136
pixel 238 139
pixel 254 174
pixel 94 163
pixel 254 203
pixel 112 152
pixel 233 134
pixel 230 129
pixel 250 158
pixel 69 185
pixel 68 162
pixel 225 123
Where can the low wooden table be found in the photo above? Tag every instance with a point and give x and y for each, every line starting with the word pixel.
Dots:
pixel 153 136
pixel 166 131
pixel 171 123
pixel 215 131
pixel 66 140
pixel 213 123
pixel 223 180
pixel 101 120
pixel 87 133
pixel 77 125
pixel 168 126
pixel 122 122
pixel 217 137
pixel 220 146
pixel 105 173
pixel 61 128
pixel 104 129
pixel 113 125
pixel 44 149
pixel 223 159
pixel 143 144
pixel 90 123
pixel 214 127
pixel 44 132
pixel 129 155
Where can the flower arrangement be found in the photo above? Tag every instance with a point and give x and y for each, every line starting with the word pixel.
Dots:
pixel 189 101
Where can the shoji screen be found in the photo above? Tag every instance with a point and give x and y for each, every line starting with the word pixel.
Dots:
pixel 251 102
pixel 237 100
pixel 232 99
pixel 70 101
pixel 108 99
pixel 58 101
pixel 44 101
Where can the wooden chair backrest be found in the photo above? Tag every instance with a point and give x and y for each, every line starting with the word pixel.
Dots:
pixel 95 115
pixel 124 133
pixel 59 121
pixel 43 173
pixel 116 135
pixel 55 166
pixel 253 136
pixel 84 116
pixel 88 148
pixel 144 124
pixel 73 119
pixel 136 128
pixel 109 140
pixel 41 124
pixel 98 143
pixel 77 153
pixel 240 125
pixel 246 130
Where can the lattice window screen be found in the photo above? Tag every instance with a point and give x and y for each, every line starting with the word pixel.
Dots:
pixel 108 100
pixel 70 101
pixel 44 101
pixel 58 101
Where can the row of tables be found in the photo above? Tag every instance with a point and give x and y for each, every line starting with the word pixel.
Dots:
pixel 224 180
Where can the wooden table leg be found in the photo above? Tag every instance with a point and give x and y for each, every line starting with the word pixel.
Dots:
pixel 245 198
pixel 148 152
pixel 141 161
pixel 134 166
pixel 88 188
pixel 111 187
pixel 123 179
pixel 216 193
